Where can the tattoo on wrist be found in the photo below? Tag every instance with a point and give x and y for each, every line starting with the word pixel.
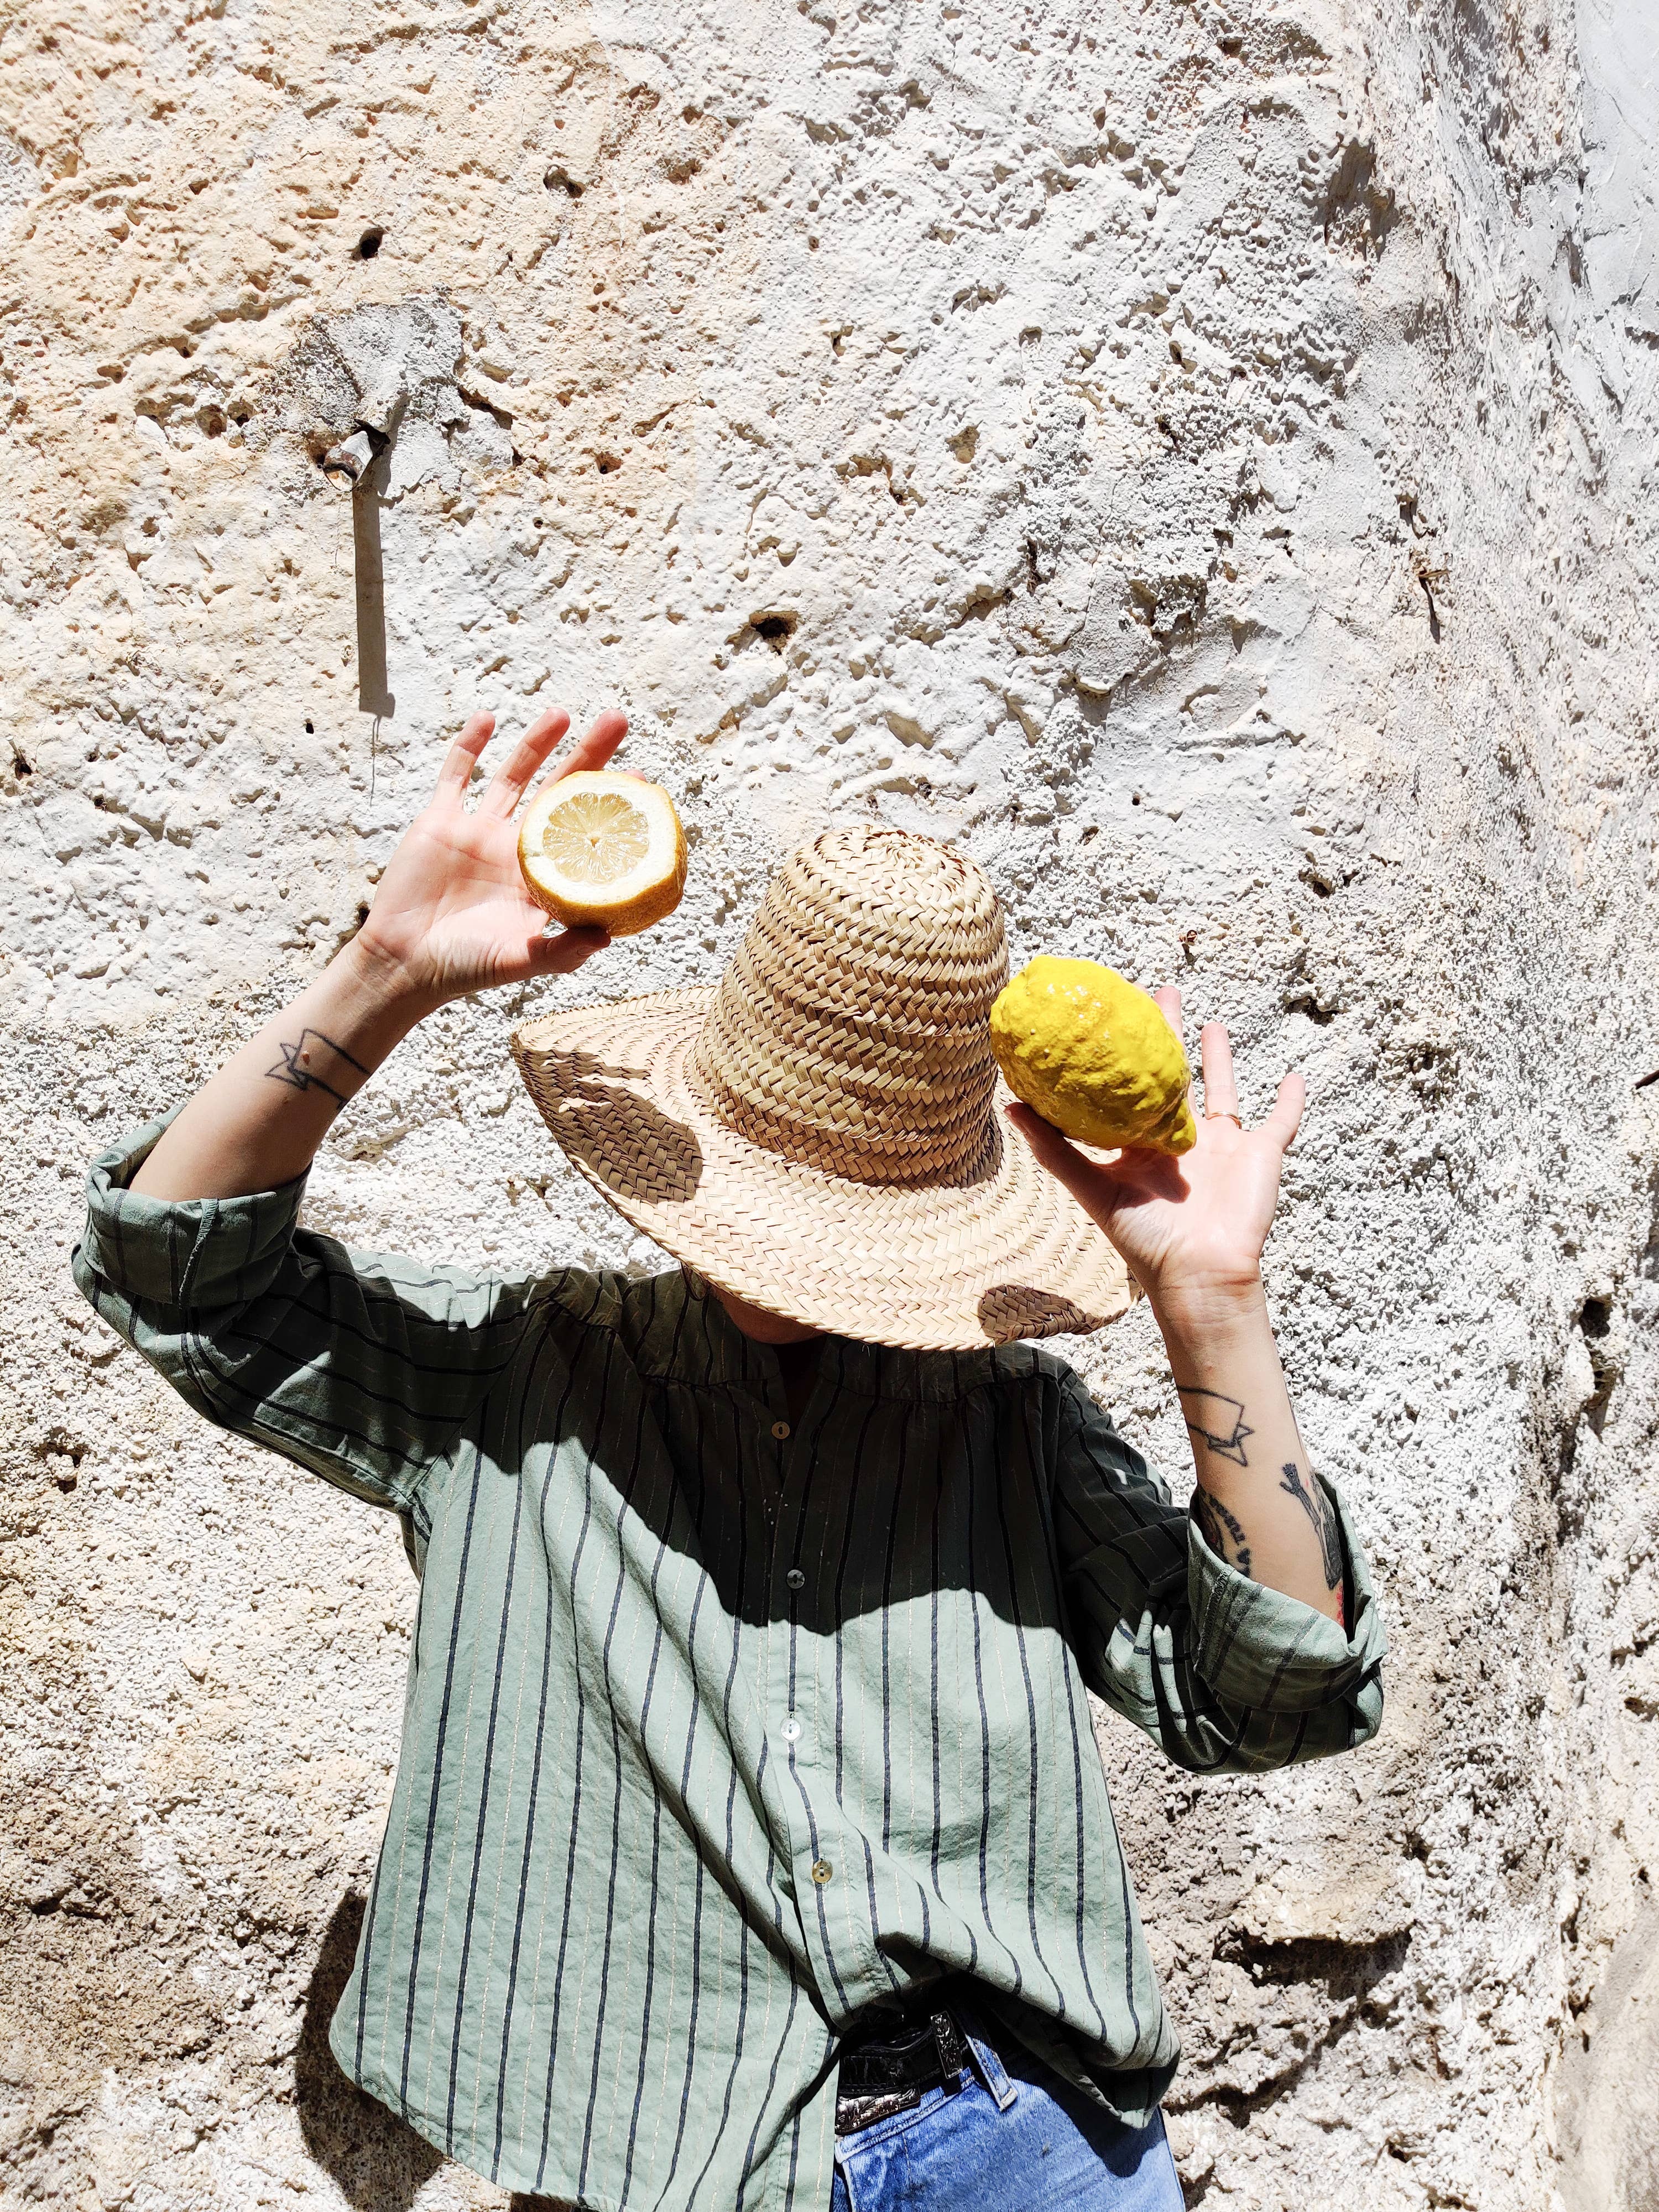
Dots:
pixel 1216 1420
pixel 1318 1507
pixel 1222 1532
pixel 317 1063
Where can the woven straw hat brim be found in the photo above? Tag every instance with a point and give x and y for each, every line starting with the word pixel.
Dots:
pixel 944 1267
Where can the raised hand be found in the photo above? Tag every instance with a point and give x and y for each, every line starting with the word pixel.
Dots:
pixel 1191 1226
pixel 451 914
pixel 1191 1231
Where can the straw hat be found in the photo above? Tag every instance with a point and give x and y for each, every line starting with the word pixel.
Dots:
pixel 819 1134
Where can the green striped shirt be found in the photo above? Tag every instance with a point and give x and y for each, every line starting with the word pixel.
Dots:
pixel 720 1728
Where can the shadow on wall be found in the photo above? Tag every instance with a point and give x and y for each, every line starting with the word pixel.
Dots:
pixel 377 2160
pixel 374 696
pixel 1606 2077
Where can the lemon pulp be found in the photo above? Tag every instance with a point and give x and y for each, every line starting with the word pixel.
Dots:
pixel 1094 1055
pixel 602 850
pixel 596 837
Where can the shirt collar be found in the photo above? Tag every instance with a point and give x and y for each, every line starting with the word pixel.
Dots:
pixel 679 1333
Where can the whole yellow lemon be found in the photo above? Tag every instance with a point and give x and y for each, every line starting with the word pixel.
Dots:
pixel 1093 1055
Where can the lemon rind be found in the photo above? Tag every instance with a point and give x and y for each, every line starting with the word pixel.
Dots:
pixel 632 902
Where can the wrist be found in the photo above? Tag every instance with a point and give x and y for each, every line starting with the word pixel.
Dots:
pixel 1208 1305
pixel 392 990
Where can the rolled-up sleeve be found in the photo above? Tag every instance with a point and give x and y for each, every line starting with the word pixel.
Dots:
pixel 1221 1671
pixel 361 1368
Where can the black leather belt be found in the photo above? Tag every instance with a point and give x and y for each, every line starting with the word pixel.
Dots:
pixel 884 2073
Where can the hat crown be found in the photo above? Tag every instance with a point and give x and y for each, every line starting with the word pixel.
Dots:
pixel 851 1032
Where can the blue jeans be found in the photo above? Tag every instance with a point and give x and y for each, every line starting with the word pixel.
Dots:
pixel 1028 2144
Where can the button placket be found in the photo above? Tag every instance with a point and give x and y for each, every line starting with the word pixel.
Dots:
pixel 791 1687
pixel 784 1508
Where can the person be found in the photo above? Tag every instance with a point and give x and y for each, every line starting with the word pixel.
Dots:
pixel 748 1845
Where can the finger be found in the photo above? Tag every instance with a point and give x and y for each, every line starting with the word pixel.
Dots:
pixel 462 757
pixel 1282 1124
pixel 565 952
pixel 507 786
pixel 1216 1053
pixel 1090 1184
pixel 596 744
pixel 1169 999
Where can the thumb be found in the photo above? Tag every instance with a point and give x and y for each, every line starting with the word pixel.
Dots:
pixel 564 952
pixel 1091 1186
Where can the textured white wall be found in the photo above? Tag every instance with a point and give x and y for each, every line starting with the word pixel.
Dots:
pixel 1195 453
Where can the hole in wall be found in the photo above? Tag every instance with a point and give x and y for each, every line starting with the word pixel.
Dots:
pixel 310 730
pixel 775 627
pixel 1595 1316
pixel 369 244
pixel 21 764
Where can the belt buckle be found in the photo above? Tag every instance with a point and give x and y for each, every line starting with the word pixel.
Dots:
pixel 866 2109
pixel 855 2113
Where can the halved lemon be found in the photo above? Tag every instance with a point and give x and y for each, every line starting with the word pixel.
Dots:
pixel 601 850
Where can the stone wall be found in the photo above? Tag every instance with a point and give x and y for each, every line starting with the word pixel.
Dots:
pixel 1195 453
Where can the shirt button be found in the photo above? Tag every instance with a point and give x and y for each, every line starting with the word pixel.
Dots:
pixel 792 1731
pixel 822 1871
pixel 795 1579
pixel 781 1430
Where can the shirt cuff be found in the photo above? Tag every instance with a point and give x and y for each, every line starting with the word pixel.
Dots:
pixel 184 1253
pixel 1254 1646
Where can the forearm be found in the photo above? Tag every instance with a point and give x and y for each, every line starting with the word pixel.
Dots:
pixel 258 1122
pixel 1259 1506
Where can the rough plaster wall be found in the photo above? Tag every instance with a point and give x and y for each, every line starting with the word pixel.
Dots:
pixel 1193 453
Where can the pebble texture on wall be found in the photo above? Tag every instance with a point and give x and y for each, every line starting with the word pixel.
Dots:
pixel 1195 453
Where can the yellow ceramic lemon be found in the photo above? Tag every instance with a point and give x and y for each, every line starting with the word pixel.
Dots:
pixel 1093 1055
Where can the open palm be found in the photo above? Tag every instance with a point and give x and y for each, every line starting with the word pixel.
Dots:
pixel 1192 1224
pixel 450 913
